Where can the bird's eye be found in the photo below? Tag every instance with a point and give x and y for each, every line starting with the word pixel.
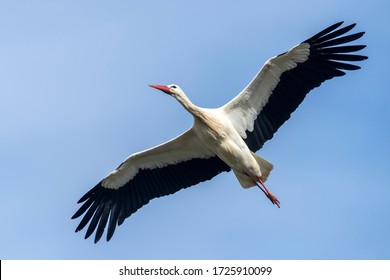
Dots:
pixel 173 86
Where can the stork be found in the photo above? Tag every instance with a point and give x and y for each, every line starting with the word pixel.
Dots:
pixel 221 139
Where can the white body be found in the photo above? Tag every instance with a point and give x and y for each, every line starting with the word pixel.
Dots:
pixel 217 132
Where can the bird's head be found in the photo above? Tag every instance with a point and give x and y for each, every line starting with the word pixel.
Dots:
pixel 173 90
pixel 176 92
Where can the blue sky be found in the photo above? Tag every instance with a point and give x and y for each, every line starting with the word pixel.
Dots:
pixel 75 103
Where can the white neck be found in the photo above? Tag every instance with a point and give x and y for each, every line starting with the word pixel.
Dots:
pixel 187 104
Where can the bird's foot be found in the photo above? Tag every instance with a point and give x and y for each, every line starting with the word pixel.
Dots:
pixel 265 190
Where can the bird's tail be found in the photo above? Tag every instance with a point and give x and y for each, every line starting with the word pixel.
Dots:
pixel 265 167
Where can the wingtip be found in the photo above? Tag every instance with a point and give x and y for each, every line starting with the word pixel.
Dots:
pixel 110 233
pixel 88 234
pixel 96 239
pixel 336 25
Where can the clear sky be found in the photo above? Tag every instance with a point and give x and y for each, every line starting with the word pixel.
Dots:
pixel 75 103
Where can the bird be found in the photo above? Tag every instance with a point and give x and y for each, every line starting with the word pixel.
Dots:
pixel 221 139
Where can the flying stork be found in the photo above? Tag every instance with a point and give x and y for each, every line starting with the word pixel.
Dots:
pixel 224 138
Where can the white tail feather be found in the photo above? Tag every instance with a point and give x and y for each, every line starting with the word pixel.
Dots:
pixel 265 168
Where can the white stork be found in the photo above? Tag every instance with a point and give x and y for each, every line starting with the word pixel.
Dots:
pixel 224 138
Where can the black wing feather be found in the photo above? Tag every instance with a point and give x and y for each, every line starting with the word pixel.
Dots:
pixel 114 218
pixel 112 206
pixel 325 31
pixel 326 60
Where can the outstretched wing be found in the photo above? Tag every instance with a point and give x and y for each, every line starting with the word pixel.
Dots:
pixel 162 170
pixel 283 82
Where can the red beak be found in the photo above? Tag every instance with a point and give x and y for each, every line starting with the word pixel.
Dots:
pixel 162 88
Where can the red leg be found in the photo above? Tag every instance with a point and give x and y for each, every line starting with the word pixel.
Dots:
pixel 265 190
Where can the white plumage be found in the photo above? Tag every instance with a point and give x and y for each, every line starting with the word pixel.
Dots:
pixel 224 138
